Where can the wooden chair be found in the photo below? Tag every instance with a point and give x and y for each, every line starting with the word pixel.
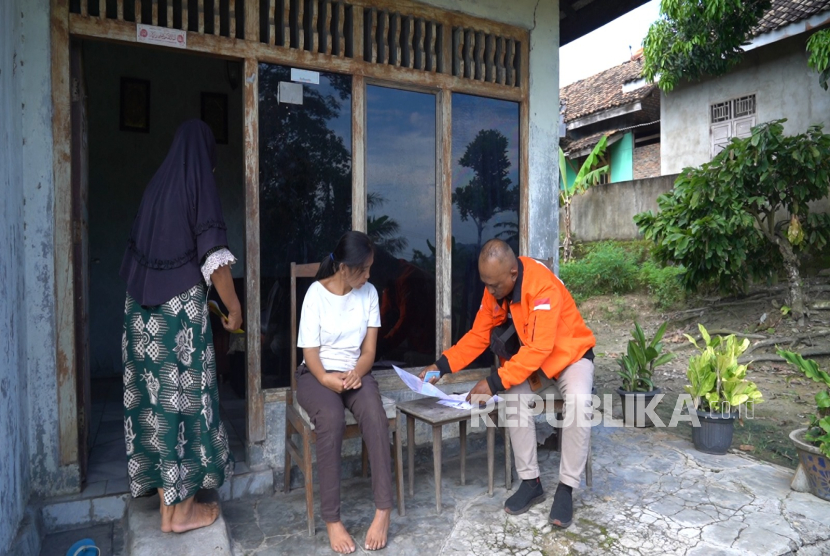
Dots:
pixel 298 422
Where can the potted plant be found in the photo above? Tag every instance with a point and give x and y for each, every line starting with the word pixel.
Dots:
pixel 719 388
pixel 813 442
pixel 636 371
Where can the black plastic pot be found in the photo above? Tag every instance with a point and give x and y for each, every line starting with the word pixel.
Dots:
pixel 634 404
pixel 714 435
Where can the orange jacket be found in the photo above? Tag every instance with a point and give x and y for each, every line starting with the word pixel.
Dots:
pixel 547 321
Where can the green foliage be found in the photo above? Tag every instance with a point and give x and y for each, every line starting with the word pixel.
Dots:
pixel 818 48
pixel 606 269
pixel 716 379
pixel 693 39
pixel 818 431
pixel 718 221
pixel 642 356
pixel 663 283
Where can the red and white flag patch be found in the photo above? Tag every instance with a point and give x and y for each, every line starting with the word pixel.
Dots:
pixel 542 304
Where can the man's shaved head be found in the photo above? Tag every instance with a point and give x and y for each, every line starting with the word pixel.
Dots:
pixel 498 267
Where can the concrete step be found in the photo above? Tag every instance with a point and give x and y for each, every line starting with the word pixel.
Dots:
pixel 144 536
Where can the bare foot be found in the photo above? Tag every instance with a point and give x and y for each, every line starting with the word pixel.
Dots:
pixel 340 539
pixel 189 515
pixel 166 514
pixel 376 536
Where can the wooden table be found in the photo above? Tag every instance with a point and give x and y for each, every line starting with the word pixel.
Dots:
pixel 436 415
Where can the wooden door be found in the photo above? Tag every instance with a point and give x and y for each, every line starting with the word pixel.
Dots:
pixel 80 246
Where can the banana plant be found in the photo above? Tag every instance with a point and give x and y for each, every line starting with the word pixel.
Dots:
pixel 641 358
pixel 587 176
pixel 818 432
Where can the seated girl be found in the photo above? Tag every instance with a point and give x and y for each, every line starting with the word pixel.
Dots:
pixel 338 334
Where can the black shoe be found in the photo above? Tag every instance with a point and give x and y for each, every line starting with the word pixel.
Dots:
pixel 562 510
pixel 530 492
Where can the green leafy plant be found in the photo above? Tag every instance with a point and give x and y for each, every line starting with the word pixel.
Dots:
pixel 818 431
pixel 818 48
pixel 641 358
pixel 693 39
pixel 720 223
pixel 717 382
pixel 586 177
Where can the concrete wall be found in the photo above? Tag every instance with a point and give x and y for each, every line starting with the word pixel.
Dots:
pixel 121 164
pixel 779 77
pixel 622 158
pixel 14 442
pixel 607 211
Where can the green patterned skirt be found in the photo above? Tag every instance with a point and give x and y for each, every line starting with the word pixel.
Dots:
pixel 175 438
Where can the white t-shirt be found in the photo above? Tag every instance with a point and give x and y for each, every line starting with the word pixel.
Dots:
pixel 337 324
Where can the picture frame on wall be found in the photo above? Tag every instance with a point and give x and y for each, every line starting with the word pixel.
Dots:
pixel 215 115
pixel 135 105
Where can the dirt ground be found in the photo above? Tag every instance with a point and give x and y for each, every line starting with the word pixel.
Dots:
pixel 788 396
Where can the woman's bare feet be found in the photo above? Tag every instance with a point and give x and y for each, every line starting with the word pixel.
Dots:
pixel 376 536
pixel 166 514
pixel 189 515
pixel 340 539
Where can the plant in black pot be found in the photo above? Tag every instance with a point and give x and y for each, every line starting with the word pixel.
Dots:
pixel 720 390
pixel 813 442
pixel 637 366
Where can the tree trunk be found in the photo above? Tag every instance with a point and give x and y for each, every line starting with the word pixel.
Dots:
pixel 794 279
pixel 567 247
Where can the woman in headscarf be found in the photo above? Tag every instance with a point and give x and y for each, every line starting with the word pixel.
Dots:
pixel 176 442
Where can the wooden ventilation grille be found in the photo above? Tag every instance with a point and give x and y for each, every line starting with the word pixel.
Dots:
pixel 207 17
pixel 403 41
pixel 486 57
pixel 322 26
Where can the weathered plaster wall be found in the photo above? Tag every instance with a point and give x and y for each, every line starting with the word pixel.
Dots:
pixel 122 163
pixel 14 441
pixel 779 77
pixel 607 211
pixel 48 476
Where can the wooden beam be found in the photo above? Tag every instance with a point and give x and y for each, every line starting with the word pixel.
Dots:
pixel 359 153
pixel 231 48
pixel 443 221
pixel 253 347
pixel 64 270
pixel 252 27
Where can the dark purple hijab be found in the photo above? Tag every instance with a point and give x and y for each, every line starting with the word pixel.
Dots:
pixel 178 222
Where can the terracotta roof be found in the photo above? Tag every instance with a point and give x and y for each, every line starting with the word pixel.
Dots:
pixel 603 90
pixel 784 12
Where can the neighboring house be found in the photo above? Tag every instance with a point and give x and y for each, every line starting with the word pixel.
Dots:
pixel 772 81
pixel 620 104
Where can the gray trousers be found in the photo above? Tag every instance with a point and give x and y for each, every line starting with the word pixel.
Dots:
pixel 326 409
pixel 577 379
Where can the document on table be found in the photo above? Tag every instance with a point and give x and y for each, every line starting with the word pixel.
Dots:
pixel 458 401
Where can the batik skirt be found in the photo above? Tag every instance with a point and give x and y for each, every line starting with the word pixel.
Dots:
pixel 175 438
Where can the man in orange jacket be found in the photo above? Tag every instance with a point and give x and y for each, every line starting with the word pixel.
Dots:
pixel 555 348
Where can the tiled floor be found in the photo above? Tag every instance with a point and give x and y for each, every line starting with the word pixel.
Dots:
pixel 107 469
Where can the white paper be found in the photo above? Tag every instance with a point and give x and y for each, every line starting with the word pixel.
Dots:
pixel 305 76
pixel 415 384
pixel 161 36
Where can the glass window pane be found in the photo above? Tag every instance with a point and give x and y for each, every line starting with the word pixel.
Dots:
pixel 400 182
pixel 485 185
pixel 305 196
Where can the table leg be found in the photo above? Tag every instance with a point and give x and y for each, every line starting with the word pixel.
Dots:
pixel 436 460
pixel 491 454
pixel 462 435
pixel 410 452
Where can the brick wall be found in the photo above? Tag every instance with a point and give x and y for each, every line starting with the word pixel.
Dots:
pixel 647 161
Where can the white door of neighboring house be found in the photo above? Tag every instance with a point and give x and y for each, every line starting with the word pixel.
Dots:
pixel 721 133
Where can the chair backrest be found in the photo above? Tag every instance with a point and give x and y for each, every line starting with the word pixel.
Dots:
pixel 297 271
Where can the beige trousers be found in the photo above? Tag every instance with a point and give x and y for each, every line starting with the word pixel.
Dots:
pixel 575 385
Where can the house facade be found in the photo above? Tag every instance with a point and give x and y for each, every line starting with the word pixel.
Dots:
pixel 618 104
pixel 328 115
pixel 772 82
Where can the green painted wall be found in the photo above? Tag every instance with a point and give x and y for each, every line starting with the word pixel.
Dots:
pixel 570 174
pixel 622 159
